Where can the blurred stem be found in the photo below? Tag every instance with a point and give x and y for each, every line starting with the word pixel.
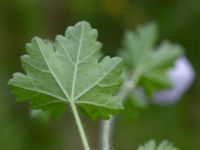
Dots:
pixel 108 125
pixel 80 126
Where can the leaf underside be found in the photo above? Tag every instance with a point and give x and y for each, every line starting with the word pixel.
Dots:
pixel 69 71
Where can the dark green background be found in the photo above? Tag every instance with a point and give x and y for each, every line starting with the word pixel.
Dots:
pixel 20 20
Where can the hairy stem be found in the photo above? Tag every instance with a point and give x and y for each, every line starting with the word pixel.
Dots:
pixel 108 125
pixel 80 127
pixel 107 129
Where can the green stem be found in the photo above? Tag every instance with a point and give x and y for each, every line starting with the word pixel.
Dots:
pixel 108 125
pixel 107 128
pixel 80 127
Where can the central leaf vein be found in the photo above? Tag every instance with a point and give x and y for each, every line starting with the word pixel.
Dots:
pixel 76 64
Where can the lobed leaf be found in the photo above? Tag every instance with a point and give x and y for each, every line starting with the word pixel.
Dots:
pixel 152 63
pixel 69 71
pixel 151 145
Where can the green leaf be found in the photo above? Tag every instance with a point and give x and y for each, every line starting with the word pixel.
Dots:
pixel 151 145
pixel 69 71
pixel 152 63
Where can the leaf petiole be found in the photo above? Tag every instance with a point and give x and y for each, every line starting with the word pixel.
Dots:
pixel 80 126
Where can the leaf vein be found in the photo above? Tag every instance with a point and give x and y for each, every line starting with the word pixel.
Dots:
pixel 77 62
pixel 42 92
pixel 57 81
pixel 92 86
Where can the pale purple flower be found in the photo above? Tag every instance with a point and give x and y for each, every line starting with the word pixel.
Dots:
pixel 182 76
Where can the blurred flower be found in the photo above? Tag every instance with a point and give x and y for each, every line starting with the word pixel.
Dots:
pixel 181 76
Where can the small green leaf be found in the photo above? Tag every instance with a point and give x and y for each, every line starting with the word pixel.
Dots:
pixel 69 71
pixel 152 63
pixel 151 145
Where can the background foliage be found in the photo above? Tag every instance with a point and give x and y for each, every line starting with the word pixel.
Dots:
pixel 178 20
